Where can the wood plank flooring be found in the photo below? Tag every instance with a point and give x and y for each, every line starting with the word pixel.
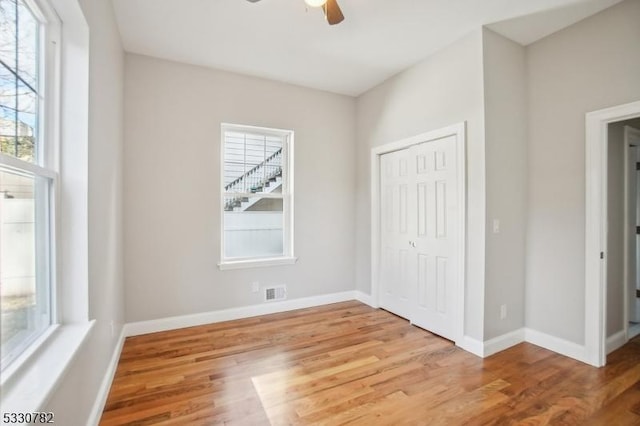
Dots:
pixel 347 363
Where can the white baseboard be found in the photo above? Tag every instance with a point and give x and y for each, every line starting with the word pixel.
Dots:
pixel 472 345
pixel 633 331
pixel 492 346
pixel 616 341
pixel 556 344
pixel 552 343
pixel 503 342
pixel 105 386
pixel 172 323
pixel 365 298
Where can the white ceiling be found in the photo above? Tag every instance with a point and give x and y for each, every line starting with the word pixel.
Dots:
pixel 283 40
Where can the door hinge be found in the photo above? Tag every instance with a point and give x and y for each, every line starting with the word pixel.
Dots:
pixel 601 255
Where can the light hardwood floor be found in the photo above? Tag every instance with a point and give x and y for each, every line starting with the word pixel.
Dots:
pixel 347 363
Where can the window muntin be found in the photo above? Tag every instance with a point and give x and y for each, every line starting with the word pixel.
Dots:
pixel 256 193
pixel 27 177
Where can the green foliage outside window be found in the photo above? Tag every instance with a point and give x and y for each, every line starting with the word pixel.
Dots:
pixel 21 147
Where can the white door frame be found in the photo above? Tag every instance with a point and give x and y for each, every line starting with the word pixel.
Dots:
pixel 459 131
pixel 596 225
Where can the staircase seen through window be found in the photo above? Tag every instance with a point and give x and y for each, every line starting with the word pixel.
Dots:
pixel 257 196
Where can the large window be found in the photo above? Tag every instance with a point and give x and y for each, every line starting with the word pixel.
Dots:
pixel 27 174
pixel 257 196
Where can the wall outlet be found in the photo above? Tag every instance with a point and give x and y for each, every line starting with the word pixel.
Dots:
pixel 255 287
pixel 113 329
pixel 503 312
pixel 496 226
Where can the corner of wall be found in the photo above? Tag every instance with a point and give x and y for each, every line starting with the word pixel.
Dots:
pixel 506 141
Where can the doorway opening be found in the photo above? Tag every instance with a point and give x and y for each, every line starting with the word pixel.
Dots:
pixel 629 133
pixel 606 297
pixel 623 167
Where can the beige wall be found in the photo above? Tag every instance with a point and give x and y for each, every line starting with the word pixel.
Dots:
pixel 75 396
pixel 506 182
pixel 589 66
pixel 444 89
pixel 172 187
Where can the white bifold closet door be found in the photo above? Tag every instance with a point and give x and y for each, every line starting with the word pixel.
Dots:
pixel 419 234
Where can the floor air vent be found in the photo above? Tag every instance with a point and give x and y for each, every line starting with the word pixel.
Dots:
pixel 275 293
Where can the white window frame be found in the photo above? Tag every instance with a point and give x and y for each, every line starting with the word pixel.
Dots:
pixel 45 166
pixel 29 381
pixel 287 258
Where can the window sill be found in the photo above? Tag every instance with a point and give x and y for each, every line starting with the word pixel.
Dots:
pixel 28 385
pixel 257 263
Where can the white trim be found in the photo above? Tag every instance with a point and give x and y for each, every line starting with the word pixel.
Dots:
pixel 616 341
pixel 31 388
pixel 71 221
pixel 546 341
pixel 503 342
pixel 287 196
pixel 492 346
pixel 16 365
pixel 240 128
pixel 596 226
pixel 257 263
pixel 626 238
pixel 105 386
pixel 364 298
pixel 633 331
pixel 507 340
pixel 288 202
pixel 458 130
pixel 472 345
pixel 556 344
pixel 21 166
pixel 172 323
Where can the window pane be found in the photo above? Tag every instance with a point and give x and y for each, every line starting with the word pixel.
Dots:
pixel 27 123
pixel 253 227
pixel 8 108
pixel 27 45
pixel 19 97
pixel 252 162
pixel 24 261
pixel 8 30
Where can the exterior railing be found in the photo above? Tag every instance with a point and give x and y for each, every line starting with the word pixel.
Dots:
pixel 255 179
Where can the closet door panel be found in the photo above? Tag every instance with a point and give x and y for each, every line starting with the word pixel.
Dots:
pixel 434 180
pixel 397 282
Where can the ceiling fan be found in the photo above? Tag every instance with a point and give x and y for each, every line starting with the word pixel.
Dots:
pixel 332 11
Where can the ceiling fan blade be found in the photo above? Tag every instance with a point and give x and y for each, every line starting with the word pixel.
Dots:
pixel 332 12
